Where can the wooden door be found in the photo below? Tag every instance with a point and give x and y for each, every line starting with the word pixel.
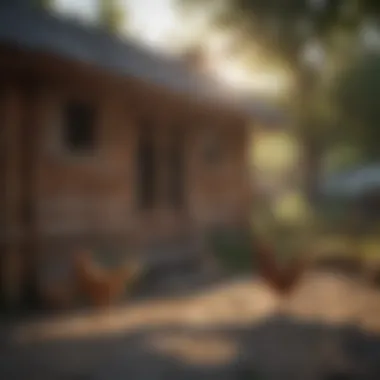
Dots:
pixel 146 170
pixel 176 167
pixel 161 180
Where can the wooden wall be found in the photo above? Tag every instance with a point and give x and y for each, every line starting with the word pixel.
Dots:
pixel 90 201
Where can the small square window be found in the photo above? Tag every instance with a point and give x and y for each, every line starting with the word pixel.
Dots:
pixel 79 127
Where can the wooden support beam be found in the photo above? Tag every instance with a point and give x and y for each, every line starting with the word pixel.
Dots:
pixel 12 108
pixel 31 122
pixel 21 113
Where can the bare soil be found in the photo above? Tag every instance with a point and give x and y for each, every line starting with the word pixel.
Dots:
pixel 230 330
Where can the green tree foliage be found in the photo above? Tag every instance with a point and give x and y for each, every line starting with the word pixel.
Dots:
pixel 280 31
pixel 45 4
pixel 112 15
pixel 357 92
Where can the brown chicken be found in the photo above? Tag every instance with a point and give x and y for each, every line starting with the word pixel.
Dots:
pixel 281 280
pixel 101 286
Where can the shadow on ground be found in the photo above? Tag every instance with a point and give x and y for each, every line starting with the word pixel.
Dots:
pixel 204 334
pixel 275 348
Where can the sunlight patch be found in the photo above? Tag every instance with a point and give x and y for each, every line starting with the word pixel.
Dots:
pixel 292 208
pixel 210 350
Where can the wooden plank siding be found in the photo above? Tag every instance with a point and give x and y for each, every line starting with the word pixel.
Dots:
pixel 11 260
pixel 56 202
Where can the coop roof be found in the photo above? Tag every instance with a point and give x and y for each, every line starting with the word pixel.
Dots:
pixel 35 30
pixel 355 182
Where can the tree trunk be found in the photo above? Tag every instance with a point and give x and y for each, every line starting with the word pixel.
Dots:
pixel 312 168
pixel 311 145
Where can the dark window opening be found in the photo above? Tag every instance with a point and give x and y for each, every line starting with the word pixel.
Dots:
pixel 146 181
pixel 176 170
pixel 79 127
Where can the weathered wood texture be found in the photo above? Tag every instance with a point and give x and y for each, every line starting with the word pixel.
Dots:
pixel 73 199
pixel 12 195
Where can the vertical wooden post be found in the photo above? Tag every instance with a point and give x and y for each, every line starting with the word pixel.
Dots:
pixel 2 193
pixel 11 267
pixel 160 139
pixel 30 133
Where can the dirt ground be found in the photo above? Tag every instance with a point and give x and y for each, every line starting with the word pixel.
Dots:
pixel 231 330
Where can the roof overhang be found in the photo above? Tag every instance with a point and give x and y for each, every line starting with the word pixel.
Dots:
pixel 38 31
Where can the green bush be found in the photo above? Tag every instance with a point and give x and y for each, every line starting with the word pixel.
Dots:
pixel 233 249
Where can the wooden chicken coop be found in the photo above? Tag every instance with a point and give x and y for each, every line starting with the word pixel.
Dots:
pixel 103 141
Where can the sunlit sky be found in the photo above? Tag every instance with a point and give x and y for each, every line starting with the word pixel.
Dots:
pixel 152 19
pixel 158 23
